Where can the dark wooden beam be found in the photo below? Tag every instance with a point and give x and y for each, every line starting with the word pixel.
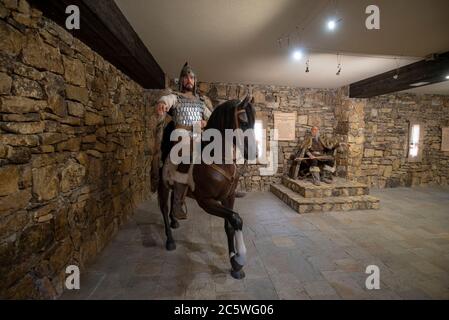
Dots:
pixel 428 70
pixel 104 28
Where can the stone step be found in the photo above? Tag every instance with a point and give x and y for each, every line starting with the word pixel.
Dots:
pixel 323 204
pixel 339 188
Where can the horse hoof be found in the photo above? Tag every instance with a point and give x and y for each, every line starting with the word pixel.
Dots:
pixel 174 225
pixel 238 274
pixel 235 265
pixel 170 245
pixel 239 194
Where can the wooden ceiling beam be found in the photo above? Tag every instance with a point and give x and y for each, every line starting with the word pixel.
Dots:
pixel 432 70
pixel 105 29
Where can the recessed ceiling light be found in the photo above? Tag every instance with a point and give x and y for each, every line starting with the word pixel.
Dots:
pixel 297 55
pixel 331 24
pixel 418 84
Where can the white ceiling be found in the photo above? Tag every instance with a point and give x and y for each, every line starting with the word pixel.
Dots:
pixel 237 40
pixel 437 88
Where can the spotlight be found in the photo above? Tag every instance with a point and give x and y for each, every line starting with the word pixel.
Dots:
pixel 447 77
pixel 297 55
pixel 338 64
pixel 396 75
pixel 338 70
pixel 331 24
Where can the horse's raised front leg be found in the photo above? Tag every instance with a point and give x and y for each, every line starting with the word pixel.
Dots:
pixel 163 195
pixel 233 228
pixel 237 255
pixel 229 203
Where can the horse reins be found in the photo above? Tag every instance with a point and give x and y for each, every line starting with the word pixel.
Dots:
pixel 236 117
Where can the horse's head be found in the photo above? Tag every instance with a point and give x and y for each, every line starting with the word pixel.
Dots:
pixel 238 117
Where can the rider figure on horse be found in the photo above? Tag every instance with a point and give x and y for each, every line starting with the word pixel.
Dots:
pixel 186 108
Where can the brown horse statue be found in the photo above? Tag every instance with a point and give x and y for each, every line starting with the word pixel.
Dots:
pixel 219 199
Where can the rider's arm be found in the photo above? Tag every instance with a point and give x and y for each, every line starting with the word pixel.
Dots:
pixel 310 154
pixel 165 103
pixel 206 113
pixel 207 108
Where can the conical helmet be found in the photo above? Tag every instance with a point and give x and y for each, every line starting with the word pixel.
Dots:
pixel 187 70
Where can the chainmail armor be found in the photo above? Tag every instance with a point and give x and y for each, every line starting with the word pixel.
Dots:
pixel 188 111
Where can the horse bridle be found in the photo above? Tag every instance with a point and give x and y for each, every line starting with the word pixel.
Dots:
pixel 231 178
pixel 236 117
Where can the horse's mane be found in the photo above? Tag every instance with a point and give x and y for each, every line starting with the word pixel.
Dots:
pixel 223 116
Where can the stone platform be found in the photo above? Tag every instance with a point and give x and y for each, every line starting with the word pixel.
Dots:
pixel 303 196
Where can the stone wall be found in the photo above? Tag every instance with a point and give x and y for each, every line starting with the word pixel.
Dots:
pixel 387 119
pixel 375 129
pixel 75 152
pixel 77 142
pixel 313 107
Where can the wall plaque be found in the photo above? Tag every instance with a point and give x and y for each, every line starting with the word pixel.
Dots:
pixel 285 123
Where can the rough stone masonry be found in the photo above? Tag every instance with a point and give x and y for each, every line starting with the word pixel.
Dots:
pixel 75 152
pixel 77 143
pixel 375 129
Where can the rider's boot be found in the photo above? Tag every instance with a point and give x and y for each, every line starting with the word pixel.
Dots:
pixel 327 174
pixel 327 177
pixel 315 171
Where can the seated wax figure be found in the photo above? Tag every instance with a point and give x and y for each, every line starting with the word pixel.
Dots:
pixel 316 155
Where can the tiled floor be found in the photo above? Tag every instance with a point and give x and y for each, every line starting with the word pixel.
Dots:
pixel 291 256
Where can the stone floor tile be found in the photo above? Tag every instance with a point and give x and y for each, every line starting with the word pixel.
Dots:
pixel 319 288
pixel 290 256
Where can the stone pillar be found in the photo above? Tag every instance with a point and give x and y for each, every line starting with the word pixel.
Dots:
pixel 350 127
pixel 356 137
